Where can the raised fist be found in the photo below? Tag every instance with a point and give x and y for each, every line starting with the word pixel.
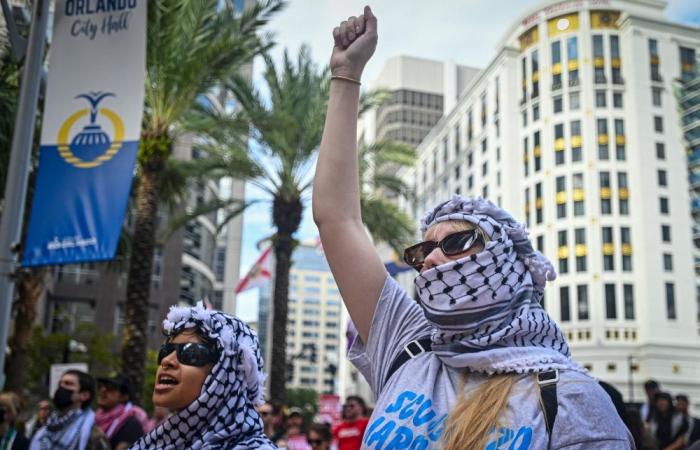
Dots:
pixel 355 41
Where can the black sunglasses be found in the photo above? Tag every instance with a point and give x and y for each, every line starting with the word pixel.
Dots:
pixel 190 353
pixel 451 245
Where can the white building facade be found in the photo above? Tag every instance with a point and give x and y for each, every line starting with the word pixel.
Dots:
pixel 574 128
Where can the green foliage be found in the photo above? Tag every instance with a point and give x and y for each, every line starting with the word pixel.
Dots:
pixel 306 400
pixel 9 90
pixel 149 380
pixel 47 349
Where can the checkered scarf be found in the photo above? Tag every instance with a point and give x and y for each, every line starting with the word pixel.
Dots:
pixel 485 308
pixel 223 416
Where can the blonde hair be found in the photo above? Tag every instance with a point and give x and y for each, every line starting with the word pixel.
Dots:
pixel 471 420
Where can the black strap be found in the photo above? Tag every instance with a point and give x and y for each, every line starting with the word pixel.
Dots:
pixel 410 351
pixel 548 390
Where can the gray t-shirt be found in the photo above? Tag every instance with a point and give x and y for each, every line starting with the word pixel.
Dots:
pixel 412 407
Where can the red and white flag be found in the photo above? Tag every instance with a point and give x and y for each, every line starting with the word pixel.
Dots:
pixel 259 274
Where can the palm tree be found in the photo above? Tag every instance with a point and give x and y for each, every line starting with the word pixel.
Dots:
pixel 287 129
pixel 191 47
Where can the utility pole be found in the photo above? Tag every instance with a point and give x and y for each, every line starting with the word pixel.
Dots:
pixel 18 169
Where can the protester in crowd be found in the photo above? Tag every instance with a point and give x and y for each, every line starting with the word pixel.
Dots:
pixel 39 419
pixel 296 430
pixel 478 345
pixel 651 388
pixel 320 436
pixel 10 437
pixel 693 433
pixel 273 420
pixel 210 374
pixel 71 426
pixel 116 415
pixel 668 426
pixel 348 433
pixel 640 432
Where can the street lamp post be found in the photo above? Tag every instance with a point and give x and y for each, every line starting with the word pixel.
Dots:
pixel 631 367
pixel 18 168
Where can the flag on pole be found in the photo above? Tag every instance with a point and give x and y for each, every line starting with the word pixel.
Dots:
pixel 259 274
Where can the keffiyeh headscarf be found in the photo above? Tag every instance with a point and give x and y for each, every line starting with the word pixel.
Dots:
pixel 485 308
pixel 70 431
pixel 223 416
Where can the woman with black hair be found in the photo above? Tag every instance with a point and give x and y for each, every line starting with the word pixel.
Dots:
pixel 210 373
pixel 668 426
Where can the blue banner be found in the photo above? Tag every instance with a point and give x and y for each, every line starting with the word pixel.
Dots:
pixel 90 132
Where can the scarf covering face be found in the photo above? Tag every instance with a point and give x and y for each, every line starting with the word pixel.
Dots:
pixel 68 432
pixel 223 416
pixel 485 308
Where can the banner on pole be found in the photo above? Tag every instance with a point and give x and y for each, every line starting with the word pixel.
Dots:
pixel 90 132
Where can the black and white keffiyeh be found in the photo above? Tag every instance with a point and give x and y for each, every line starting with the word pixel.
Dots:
pixel 223 416
pixel 70 431
pixel 486 307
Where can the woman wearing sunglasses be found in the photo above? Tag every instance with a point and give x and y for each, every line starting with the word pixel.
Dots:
pixel 475 363
pixel 319 437
pixel 210 374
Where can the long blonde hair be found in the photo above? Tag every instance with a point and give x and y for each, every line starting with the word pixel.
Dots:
pixel 473 417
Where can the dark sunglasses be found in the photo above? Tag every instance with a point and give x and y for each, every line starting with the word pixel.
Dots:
pixel 451 245
pixel 190 353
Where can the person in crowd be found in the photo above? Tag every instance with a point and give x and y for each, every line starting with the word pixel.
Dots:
pixel 320 437
pixel 10 437
pixel 271 415
pixel 348 433
pixel 296 430
pixel 668 426
pixel 210 374
pixel 39 419
pixel 693 433
pixel 71 426
pixel 651 388
pixel 116 416
pixel 465 366
pixel 640 432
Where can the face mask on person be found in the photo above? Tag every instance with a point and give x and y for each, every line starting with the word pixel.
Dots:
pixel 62 398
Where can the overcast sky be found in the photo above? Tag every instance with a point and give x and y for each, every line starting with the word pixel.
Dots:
pixel 464 31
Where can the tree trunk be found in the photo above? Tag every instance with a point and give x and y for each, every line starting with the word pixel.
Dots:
pixel 30 286
pixel 286 215
pixel 152 158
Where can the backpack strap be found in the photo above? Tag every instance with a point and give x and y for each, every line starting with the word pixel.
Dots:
pixel 411 350
pixel 547 382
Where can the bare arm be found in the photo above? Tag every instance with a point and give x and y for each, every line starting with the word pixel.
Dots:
pixel 351 255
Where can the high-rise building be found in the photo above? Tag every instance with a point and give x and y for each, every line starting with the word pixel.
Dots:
pixel 574 128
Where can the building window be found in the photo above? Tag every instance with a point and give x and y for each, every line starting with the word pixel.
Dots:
pixel 457 140
pixel 556 65
pixel 610 303
pixel 523 70
pixel 539 216
pixel 526 157
pixel 535 74
pixel 579 195
pixel 623 193
pixel 602 128
pixel 628 291
pixel 663 205
pixel 670 302
pixel 608 249
pixel 582 301
pixel 537 151
pixel 527 207
pixel 598 59
pixel 605 193
pixel 572 54
pixel 688 62
pixel 661 177
pixel 660 151
pixel 485 191
pixel 626 241
pixel 564 304
pixel 658 124
pixel 656 96
pixel 620 139
pixel 540 244
pixel 470 128
pixel 600 99
pixel 485 168
pixel 576 142
pixel 535 112
pixel 557 104
pixel 470 182
pixel 668 262
pixel 581 250
pixel 457 172
pixel 654 60
pixel 484 145
pixel 563 252
pixel 561 197
pixel 574 101
pixel 483 110
pixel 617 100
pixel 615 59
pixel 559 144
pixel 666 233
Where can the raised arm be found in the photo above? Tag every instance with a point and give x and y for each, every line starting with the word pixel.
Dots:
pixel 351 255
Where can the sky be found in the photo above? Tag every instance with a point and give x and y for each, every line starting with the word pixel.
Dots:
pixel 464 31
